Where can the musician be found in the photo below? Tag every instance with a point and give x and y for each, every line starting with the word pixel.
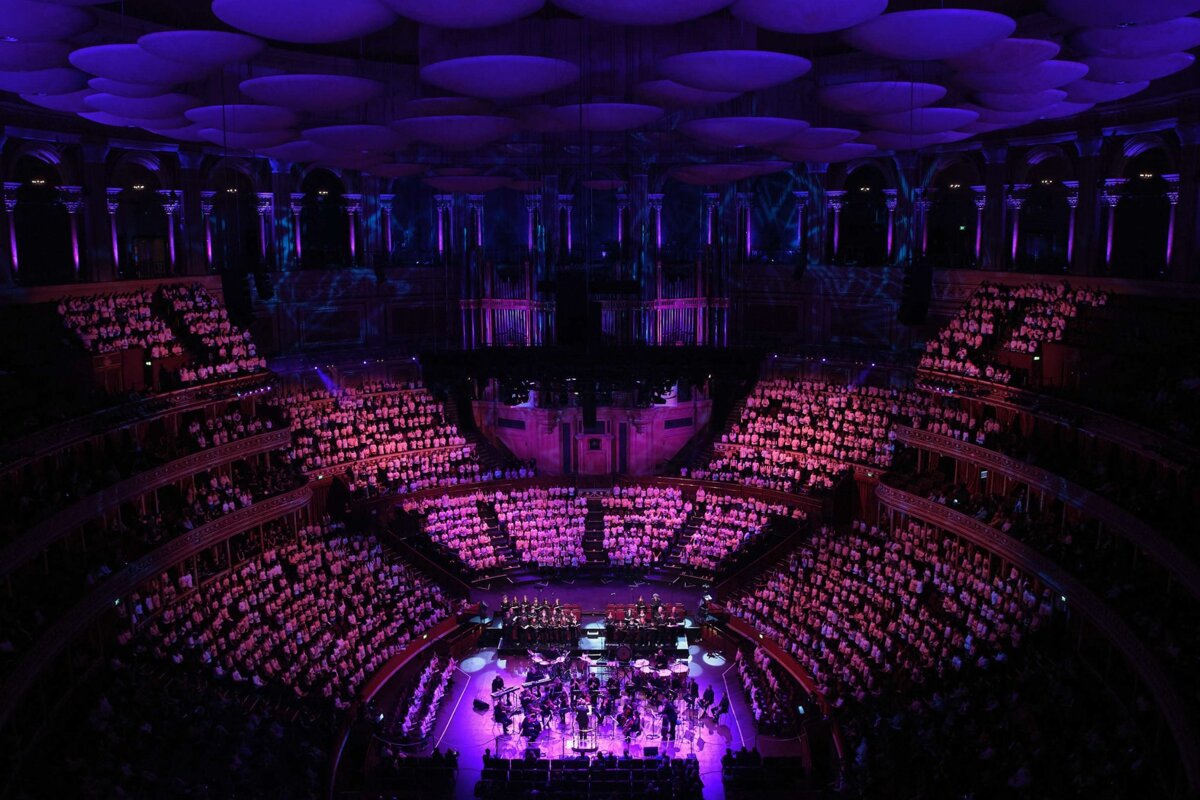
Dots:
pixel 501 716
pixel 707 699
pixel 721 708
pixel 660 659
pixel 505 607
pixel 670 720
pixel 693 691
pixel 531 728
pixel 630 723
pixel 581 719
pixel 497 684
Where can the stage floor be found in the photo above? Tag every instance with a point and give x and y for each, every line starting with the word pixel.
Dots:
pixel 461 727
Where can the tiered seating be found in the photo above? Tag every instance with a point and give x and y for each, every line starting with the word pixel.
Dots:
pixel 769 693
pixel 796 435
pixel 454 523
pixel 413 472
pixel 221 349
pixel 728 525
pixel 122 321
pixel 917 639
pixel 640 522
pixel 545 525
pixel 1020 319
pixel 119 539
pixel 314 617
pixel 329 428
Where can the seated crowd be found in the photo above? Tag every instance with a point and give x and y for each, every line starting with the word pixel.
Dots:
pixel 115 322
pixel 772 697
pixel 1161 614
pixel 430 469
pixel 314 617
pixel 118 539
pixel 331 429
pixel 221 349
pixel 910 634
pixel 453 522
pixel 728 524
pixel 171 322
pixel 73 473
pixel 545 525
pixel 1015 318
pixel 641 522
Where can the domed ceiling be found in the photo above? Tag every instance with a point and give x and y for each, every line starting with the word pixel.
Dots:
pixel 393 84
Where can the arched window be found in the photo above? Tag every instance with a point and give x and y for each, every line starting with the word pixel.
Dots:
pixel 952 219
pixel 42 225
pixel 1044 219
pixel 235 222
pixel 324 226
pixel 863 235
pixel 142 242
pixel 1142 217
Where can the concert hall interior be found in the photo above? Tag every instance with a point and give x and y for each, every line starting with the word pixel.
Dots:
pixel 599 399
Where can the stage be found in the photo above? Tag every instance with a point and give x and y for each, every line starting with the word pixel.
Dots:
pixel 463 727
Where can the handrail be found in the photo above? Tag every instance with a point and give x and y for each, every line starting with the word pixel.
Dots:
pixel 40 536
pixel 1133 529
pixel 71 624
pixel 1101 616
pixel 15 453
pixel 376 682
pixel 793 668
pixel 1133 436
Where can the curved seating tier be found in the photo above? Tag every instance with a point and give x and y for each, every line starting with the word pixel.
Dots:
pixel 69 626
pixel 1168 701
pixel 38 538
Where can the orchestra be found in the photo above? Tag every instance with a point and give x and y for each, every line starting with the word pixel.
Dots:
pixel 627 701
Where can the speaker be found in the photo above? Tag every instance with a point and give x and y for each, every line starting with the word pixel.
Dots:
pixel 479 705
pixel 650 751
pixel 915 293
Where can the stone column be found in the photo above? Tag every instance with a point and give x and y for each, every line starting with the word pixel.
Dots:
pixel 170 199
pixel 567 203
pixel 72 199
pixel 1014 203
pixel 1187 216
pixel 1172 194
pixel 1072 188
pixel 207 207
pixel 281 187
pixel 443 205
pixel 266 213
pixel 353 211
pixel 10 215
pixel 296 206
pixel 801 204
pixel 817 179
pixel 655 200
pixel 1111 196
pixel 114 203
pixel 385 212
pixel 889 200
pixel 834 200
pixel 980 204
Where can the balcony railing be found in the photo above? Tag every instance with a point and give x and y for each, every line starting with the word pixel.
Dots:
pixel 35 540
pixel 1101 617
pixel 71 625
pixel 1113 516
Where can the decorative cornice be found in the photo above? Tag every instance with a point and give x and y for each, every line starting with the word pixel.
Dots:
pixel 1079 597
pixel 38 538
pixel 70 625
